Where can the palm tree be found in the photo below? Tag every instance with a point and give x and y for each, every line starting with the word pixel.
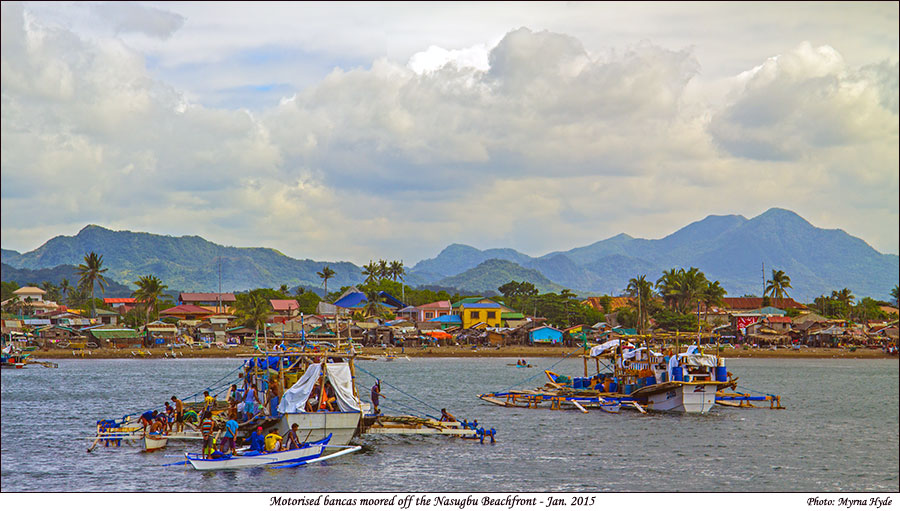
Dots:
pixel 149 290
pixel 373 303
pixel 640 288
pixel 284 289
pixel 252 310
pixel 397 272
pixel 712 295
pixel 845 296
pixel 895 293
pixel 91 272
pixel 325 274
pixel 384 269
pixel 776 286
pixel 64 288
pixel 692 282
pixel 371 272
pixel 668 285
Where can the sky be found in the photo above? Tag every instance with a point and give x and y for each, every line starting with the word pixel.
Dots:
pixel 351 132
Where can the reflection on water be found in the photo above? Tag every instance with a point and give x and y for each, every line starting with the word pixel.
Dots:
pixel 838 433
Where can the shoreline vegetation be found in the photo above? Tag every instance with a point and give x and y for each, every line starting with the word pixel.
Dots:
pixel 448 351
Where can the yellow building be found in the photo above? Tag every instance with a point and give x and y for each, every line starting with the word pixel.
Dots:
pixel 474 313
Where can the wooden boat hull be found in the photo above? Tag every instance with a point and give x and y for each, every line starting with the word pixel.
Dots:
pixel 307 452
pixel 342 426
pixel 154 442
pixel 676 396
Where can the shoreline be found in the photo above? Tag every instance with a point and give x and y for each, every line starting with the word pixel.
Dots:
pixel 525 352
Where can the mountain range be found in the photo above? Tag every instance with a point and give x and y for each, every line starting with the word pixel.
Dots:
pixel 731 249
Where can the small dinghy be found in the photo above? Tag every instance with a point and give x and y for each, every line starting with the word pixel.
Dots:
pixel 304 455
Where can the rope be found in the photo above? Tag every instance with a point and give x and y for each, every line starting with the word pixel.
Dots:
pixel 565 356
pixel 756 391
pixel 399 390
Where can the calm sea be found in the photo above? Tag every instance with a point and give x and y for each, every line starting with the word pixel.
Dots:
pixel 838 433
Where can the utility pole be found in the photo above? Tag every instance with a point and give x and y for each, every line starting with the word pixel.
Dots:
pixel 764 279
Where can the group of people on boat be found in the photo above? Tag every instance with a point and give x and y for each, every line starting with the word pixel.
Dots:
pixel 257 443
pixel 521 363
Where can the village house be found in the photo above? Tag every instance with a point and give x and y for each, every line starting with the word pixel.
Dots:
pixel 473 313
pixel 545 334
pixel 432 310
pixel 210 301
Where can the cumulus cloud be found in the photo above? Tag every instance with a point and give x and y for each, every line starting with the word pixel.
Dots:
pixel 806 100
pixel 132 17
pixel 534 142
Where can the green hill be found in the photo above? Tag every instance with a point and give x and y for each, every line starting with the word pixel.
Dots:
pixel 493 273
pixel 189 263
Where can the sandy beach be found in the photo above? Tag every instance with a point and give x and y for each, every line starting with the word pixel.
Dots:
pixel 525 352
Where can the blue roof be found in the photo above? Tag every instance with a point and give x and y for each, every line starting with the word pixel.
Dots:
pixel 479 306
pixel 448 318
pixel 390 300
pixel 351 300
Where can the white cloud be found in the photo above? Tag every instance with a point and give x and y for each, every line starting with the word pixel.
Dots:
pixel 526 138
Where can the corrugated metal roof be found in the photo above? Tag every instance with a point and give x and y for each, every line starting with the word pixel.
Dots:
pixel 114 334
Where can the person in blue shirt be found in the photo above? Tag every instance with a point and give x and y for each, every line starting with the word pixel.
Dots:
pixel 257 440
pixel 231 428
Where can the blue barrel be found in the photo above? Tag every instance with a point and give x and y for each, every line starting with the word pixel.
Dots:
pixel 629 388
pixel 721 373
pixel 651 380
pixel 677 373
pixel 613 387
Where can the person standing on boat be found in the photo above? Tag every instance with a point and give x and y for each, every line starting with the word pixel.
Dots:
pixel 147 418
pixel 375 394
pixel 206 428
pixel 208 401
pixel 272 398
pixel 228 442
pixel 179 414
pixel 446 416
pixel 250 402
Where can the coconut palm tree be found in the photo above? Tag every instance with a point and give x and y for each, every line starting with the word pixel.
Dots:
pixel 777 286
pixel 371 272
pixel 895 293
pixel 845 296
pixel 668 286
pixel 252 310
pixel 384 269
pixel 91 272
pixel 149 290
pixel 713 295
pixel 640 288
pixel 397 272
pixel 325 274
pixel 284 289
pixel 64 288
pixel 373 303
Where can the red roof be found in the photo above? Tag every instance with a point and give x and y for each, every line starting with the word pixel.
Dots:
pixel 285 305
pixel 206 297
pixel 779 319
pixel 186 309
pixel 753 303
pixel 442 304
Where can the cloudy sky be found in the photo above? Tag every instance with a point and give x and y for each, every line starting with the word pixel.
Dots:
pixel 365 131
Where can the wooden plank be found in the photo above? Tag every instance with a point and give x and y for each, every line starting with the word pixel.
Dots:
pixel 495 401
pixel 577 405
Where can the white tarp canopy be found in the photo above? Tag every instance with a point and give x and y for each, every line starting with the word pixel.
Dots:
pixel 598 350
pixel 698 360
pixel 340 378
pixel 294 399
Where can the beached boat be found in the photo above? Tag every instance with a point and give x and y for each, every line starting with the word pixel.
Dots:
pixel 305 453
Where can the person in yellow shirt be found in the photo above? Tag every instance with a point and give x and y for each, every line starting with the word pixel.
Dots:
pixel 208 401
pixel 273 441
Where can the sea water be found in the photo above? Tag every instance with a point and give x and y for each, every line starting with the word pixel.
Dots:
pixel 839 432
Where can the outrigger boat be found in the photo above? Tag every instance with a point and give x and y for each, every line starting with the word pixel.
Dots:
pixel 321 397
pixel 307 453
pixel 643 379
